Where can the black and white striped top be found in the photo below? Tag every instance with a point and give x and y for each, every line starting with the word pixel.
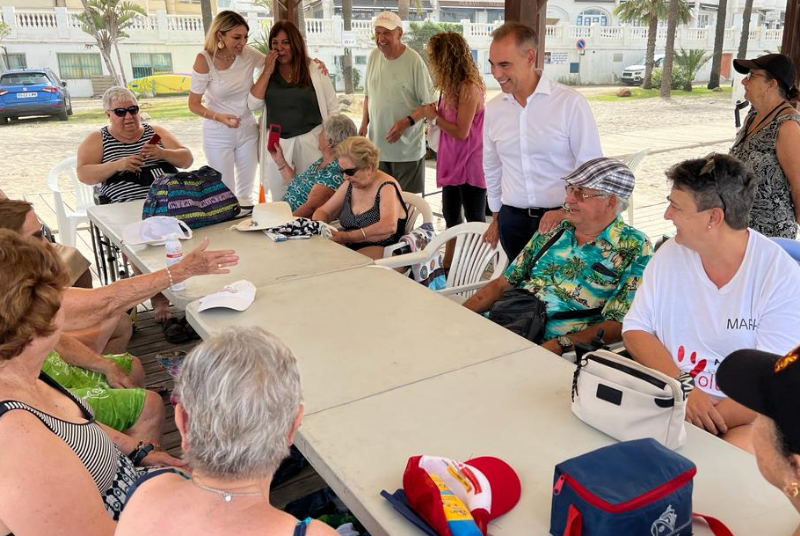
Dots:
pixel 109 468
pixel 130 185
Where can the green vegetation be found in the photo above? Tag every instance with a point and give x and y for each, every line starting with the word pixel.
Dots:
pixel 157 109
pixel 419 34
pixel 639 93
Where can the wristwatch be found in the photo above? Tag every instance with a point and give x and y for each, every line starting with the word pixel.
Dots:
pixel 565 342
pixel 140 452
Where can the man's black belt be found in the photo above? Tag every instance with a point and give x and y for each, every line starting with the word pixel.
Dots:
pixel 533 212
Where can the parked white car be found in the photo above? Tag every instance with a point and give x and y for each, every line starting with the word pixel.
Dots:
pixel 633 74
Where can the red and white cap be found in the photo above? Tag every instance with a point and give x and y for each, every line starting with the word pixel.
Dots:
pixel 487 486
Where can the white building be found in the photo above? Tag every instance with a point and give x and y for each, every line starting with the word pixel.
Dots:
pixel 168 39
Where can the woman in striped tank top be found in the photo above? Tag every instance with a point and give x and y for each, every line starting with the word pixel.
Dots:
pixel 60 471
pixel 118 160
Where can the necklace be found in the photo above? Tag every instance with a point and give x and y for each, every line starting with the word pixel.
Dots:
pixel 226 494
pixel 227 58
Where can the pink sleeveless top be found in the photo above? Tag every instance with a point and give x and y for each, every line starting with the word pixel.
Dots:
pixel 460 161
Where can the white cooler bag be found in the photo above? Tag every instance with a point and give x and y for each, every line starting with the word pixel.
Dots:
pixel 627 400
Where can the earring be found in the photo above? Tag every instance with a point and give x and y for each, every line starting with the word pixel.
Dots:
pixel 709 226
pixel 792 489
pixel 220 44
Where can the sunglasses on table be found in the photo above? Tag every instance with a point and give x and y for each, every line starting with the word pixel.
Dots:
pixel 350 171
pixel 121 112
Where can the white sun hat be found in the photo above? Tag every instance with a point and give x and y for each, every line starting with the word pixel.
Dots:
pixel 237 296
pixel 267 215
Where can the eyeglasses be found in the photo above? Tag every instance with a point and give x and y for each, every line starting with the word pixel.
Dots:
pixel 580 195
pixel 350 171
pixel 120 112
pixel 751 74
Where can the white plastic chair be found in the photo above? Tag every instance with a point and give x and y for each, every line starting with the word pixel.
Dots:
pixel 69 219
pixel 471 258
pixel 417 207
pixel 633 161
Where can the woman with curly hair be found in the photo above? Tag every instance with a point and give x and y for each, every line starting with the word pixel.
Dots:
pixel 459 116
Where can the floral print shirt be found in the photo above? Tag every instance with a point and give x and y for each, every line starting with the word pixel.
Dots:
pixel 603 273
pixel 301 185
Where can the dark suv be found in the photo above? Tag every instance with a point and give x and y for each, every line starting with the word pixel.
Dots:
pixel 27 92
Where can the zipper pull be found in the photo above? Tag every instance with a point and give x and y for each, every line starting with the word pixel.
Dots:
pixel 558 485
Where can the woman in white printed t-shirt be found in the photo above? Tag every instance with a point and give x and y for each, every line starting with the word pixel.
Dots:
pixel 223 73
pixel 715 288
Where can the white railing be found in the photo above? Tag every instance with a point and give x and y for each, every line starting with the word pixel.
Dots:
pixel 36 20
pixel 185 23
pixel 61 24
pixel 639 33
pixel 611 33
pixel 144 23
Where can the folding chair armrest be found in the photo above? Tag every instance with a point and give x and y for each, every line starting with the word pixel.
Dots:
pixel 404 260
pixel 464 288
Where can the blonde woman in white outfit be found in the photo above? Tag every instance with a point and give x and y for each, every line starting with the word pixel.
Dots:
pixel 295 93
pixel 223 73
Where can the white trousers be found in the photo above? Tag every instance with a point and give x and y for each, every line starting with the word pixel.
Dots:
pixel 300 152
pixel 233 152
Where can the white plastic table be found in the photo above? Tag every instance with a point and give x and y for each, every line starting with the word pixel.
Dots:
pixel 261 261
pixel 360 332
pixel 516 407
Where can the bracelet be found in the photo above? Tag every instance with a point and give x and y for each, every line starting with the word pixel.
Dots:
pixel 687 383
pixel 205 113
pixel 283 166
pixel 363 234
pixel 169 275
pixel 140 452
pixel 411 121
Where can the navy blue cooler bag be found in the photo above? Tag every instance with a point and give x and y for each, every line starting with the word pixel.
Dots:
pixel 632 488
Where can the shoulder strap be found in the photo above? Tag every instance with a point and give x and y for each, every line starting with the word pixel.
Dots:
pixel 399 195
pixel 547 245
pixel 716 526
pixel 152 474
pixel 301 527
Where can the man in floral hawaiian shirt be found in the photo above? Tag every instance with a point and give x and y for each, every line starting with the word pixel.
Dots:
pixel 588 275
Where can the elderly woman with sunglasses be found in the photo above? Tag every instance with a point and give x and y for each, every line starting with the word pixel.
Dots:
pixel 120 159
pixel 368 205
pixel 768 143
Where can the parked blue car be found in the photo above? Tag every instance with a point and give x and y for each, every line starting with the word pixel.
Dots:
pixel 28 92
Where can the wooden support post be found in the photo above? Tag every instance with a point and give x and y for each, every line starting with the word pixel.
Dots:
pixel 791 31
pixel 532 13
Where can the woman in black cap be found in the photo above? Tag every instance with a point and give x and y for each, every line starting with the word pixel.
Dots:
pixel 770 385
pixel 768 142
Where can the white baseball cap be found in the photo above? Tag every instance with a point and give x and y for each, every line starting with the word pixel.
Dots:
pixel 237 296
pixel 267 215
pixel 155 230
pixel 388 20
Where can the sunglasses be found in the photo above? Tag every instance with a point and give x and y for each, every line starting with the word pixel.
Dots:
pixel 751 74
pixel 39 234
pixel 580 195
pixel 120 112
pixel 350 171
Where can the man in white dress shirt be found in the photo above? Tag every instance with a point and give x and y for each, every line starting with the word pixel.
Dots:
pixel 535 133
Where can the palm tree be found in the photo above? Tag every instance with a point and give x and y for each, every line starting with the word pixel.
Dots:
pixel 92 23
pixel 719 39
pixel 650 12
pixel 402 9
pixel 208 14
pixel 669 50
pixel 748 11
pixel 689 62
pixel 107 21
pixel 347 68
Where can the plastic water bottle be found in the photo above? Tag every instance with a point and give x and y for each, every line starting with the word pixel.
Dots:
pixel 174 256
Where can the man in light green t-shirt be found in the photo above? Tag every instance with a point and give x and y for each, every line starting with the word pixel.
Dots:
pixel 397 85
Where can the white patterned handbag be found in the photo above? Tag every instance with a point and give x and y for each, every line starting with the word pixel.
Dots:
pixel 627 400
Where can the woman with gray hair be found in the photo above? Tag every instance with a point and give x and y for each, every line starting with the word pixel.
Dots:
pixel 310 189
pixel 713 289
pixel 119 159
pixel 240 406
